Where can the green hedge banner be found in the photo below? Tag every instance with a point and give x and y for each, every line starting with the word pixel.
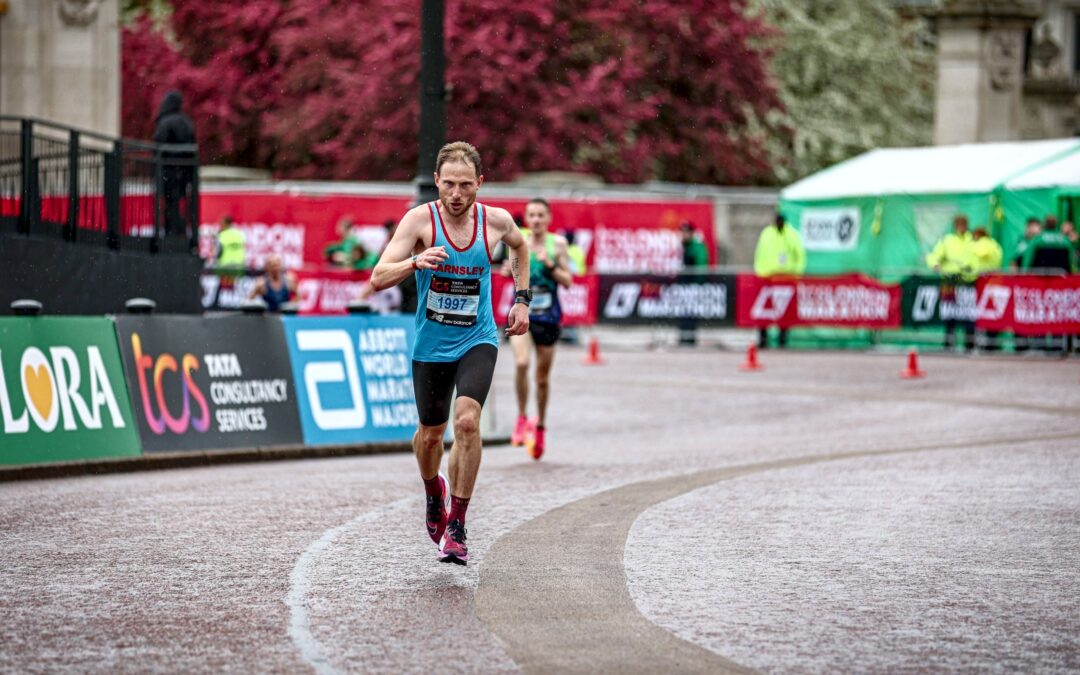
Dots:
pixel 62 391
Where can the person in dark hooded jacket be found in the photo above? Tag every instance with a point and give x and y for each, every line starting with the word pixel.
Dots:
pixel 173 126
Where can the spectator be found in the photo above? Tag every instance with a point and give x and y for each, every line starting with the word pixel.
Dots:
pixel 952 258
pixel 779 252
pixel 1069 230
pixel 987 256
pixel 361 258
pixel 276 286
pixel 173 126
pixel 340 252
pixel 695 257
pixel 1031 230
pixel 1051 250
pixel 695 253
pixel 232 247
pixel 578 265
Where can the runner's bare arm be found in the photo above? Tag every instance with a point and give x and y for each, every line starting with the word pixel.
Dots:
pixel 397 260
pixel 561 272
pixel 258 289
pixel 517 323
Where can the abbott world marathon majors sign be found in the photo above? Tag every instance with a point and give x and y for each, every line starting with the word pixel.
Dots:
pixel 209 383
pixel 354 376
pixel 829 229
pixel 62 391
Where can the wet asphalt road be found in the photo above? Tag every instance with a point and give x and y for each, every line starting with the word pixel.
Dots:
pixel 819 516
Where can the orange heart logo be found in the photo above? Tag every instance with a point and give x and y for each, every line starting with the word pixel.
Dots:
pixel 40 387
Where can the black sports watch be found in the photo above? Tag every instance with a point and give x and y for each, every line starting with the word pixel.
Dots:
pixel 523 297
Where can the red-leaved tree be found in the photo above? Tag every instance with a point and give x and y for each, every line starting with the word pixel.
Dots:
pixel 628 89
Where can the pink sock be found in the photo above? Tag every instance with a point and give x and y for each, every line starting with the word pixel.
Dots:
pixel 458 505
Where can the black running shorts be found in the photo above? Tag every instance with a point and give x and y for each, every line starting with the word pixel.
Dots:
pixel 544 334
pixel 434 382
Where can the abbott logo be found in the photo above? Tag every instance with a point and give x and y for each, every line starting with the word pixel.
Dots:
pixel 622 301
pixel 340 370
pixel 772 302
pixel 993 303
pixel 926 299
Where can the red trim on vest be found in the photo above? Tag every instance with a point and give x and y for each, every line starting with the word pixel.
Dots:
pixel 431 212
pixel 486 246
pixel 451 241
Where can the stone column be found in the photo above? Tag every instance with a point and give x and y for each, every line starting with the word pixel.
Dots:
pixel 980 69
pixel 60 61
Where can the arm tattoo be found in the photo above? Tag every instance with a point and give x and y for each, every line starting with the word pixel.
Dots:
pixel 514 268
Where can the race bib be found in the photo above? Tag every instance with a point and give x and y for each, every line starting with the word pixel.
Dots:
pixel 541 301
pixel 453 302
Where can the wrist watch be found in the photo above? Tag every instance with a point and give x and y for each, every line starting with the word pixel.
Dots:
pixel 523 297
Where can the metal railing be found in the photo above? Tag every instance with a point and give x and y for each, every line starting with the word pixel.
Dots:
pixel 81 186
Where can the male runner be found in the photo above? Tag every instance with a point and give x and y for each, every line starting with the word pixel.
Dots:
pixel 447 244
pixel 549 268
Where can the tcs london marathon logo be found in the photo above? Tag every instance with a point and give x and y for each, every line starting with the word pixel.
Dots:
pixel 58 390
pixel 207 394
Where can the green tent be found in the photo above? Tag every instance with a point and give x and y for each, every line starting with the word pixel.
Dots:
pixel 881 212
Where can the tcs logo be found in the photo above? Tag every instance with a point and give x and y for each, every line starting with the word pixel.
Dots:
pixel 146 365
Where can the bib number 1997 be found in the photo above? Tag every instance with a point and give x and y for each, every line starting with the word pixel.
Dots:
pixel 453 302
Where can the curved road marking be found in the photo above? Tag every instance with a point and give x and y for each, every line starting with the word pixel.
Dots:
pixel 554 592
pixel 299 621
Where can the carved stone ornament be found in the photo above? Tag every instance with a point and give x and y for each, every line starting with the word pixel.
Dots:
pixel 1004 52
pixel 1046 51
pixel 79 12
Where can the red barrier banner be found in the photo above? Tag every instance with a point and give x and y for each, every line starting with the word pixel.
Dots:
pixel 851 300
pixel 1029 305
pixel 618 236
pixel 579 302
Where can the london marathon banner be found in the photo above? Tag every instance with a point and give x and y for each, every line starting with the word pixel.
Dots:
pixel 636 299
pixel 618 236
pixel 62 391
pixel 207 383
pixel 852 300
pixel 929 300
pixel 1029 304
pixel 355 377
pixel 578 302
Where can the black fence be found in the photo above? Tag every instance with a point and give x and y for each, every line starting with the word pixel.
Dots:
pixel 61 182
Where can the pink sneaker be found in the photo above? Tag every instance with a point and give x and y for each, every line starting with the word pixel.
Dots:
pixel 537 447
pixel 454 549
pixel 521 431
pixel 437 511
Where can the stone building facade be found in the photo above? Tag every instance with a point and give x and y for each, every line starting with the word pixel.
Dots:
pixel 60 61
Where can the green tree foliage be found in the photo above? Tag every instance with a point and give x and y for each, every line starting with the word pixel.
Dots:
pixel 853 75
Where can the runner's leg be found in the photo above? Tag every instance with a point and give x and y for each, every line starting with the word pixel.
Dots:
pixel 521 345
pixel 474 374
pixel 545 356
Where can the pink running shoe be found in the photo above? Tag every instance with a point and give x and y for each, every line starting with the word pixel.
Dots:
pixel 437 511
pixel 521 431
pixel 454 549
pixel 536 450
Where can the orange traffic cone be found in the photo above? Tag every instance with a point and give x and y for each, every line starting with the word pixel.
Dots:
pixel 751 362
pixel 912 371
pixel 592 356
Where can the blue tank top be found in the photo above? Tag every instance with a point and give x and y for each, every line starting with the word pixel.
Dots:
pixel 275 298
pixel 453 312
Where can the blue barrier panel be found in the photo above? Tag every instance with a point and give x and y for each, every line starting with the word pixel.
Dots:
pixel 353 377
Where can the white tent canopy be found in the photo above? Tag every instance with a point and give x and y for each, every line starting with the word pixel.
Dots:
pixel 950 169
pixel 1062 171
